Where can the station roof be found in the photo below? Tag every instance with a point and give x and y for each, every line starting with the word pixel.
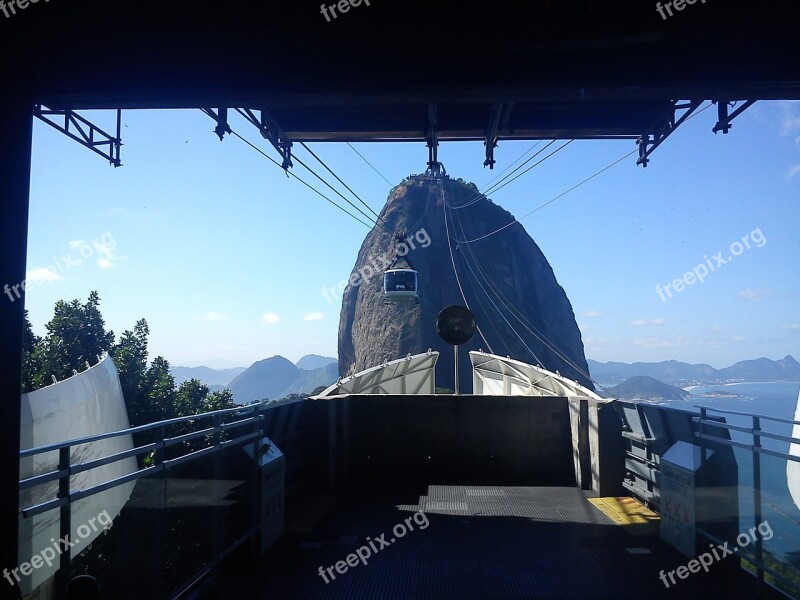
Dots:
pixel 396 69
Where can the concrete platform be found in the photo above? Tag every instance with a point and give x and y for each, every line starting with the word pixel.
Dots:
pixel 479 542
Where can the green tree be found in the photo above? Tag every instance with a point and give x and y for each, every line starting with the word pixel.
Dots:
pixel 31 357
pixel 159 387
pixel 76 335
pixel 221 400
pixel 190 398
pixel 130 358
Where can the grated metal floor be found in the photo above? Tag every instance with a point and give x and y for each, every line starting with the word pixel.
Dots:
pixel 480 543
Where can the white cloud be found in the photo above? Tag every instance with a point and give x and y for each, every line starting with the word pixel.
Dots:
pixel 660 342
pixel 270 318
pixel 651 322
pixel 591 314
pixel 103 248
pixel 42 275
pixel 212 316
pixel 792 327
pixel 738 338
pixel 314 316
pixel 793 170
pixel 790 118
pixel 752 295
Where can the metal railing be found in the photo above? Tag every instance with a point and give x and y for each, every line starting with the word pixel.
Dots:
pixel 246 423
pixel 757 450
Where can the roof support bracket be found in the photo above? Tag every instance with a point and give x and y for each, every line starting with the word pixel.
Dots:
pixel 432 139
pixel 499 118
pixel 664 128
pixel 84 132
pixel 221 117
pixel 724 118
pixel 272 132
pixel 265 124
pixel 491 134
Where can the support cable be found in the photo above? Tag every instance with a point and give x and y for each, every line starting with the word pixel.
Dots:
pixel 291 174
pixel 369 163
pixel 453 261
pixel 541 206
pixel 320 161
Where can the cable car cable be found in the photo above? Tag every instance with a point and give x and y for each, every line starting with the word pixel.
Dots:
pixel 527 324
pixel 369 164
pixel 533 330
pixel 556 151
pixel 308 185
pixel 541 206
pixel 453 261
pixel 310 170
pixel 519 158
pixel 510 326
pixel 310 151
pixel 478 196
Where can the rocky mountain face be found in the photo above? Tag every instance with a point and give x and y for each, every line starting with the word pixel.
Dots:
pixel 506 280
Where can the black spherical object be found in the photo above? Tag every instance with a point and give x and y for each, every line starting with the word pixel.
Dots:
pixel 456 325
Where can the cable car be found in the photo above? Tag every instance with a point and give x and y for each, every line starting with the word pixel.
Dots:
pixel 401 283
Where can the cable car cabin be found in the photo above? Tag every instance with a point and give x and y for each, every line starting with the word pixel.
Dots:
pixel 400 285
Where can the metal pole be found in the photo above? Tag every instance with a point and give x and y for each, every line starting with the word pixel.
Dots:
pixel 455 354
pixel 65 520
pixel 703 456
pixel 757 499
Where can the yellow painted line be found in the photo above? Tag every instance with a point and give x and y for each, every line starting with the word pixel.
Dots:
pixel 625 511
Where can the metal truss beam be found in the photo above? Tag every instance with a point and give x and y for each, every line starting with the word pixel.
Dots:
pixel 661 130
pixel 84 132
pixel 724 118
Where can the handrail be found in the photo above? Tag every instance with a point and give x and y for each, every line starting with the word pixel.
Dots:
pixel 104 436
pixel 747 414
pixel 749 430
pixel 756 450
pixel 250 418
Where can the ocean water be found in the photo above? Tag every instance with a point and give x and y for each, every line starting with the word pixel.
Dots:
pixel 778 508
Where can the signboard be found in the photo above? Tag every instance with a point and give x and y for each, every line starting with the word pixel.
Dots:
pixel 273 490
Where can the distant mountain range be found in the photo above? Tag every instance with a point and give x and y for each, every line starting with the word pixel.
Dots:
pixel 208 376
pixel 271 378
pixel 314 361
pixel 680 373
pixel 644 387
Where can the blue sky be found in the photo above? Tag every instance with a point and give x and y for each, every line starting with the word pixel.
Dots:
pixel 226 257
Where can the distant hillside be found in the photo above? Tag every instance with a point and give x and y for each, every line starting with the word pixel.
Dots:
pixel 314 361
pixel 215 377
pixel 277 377
pixel 646 388
pixel 762 369
pixel 311 379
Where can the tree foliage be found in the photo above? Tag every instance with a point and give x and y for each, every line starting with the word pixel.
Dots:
pixel 76 335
